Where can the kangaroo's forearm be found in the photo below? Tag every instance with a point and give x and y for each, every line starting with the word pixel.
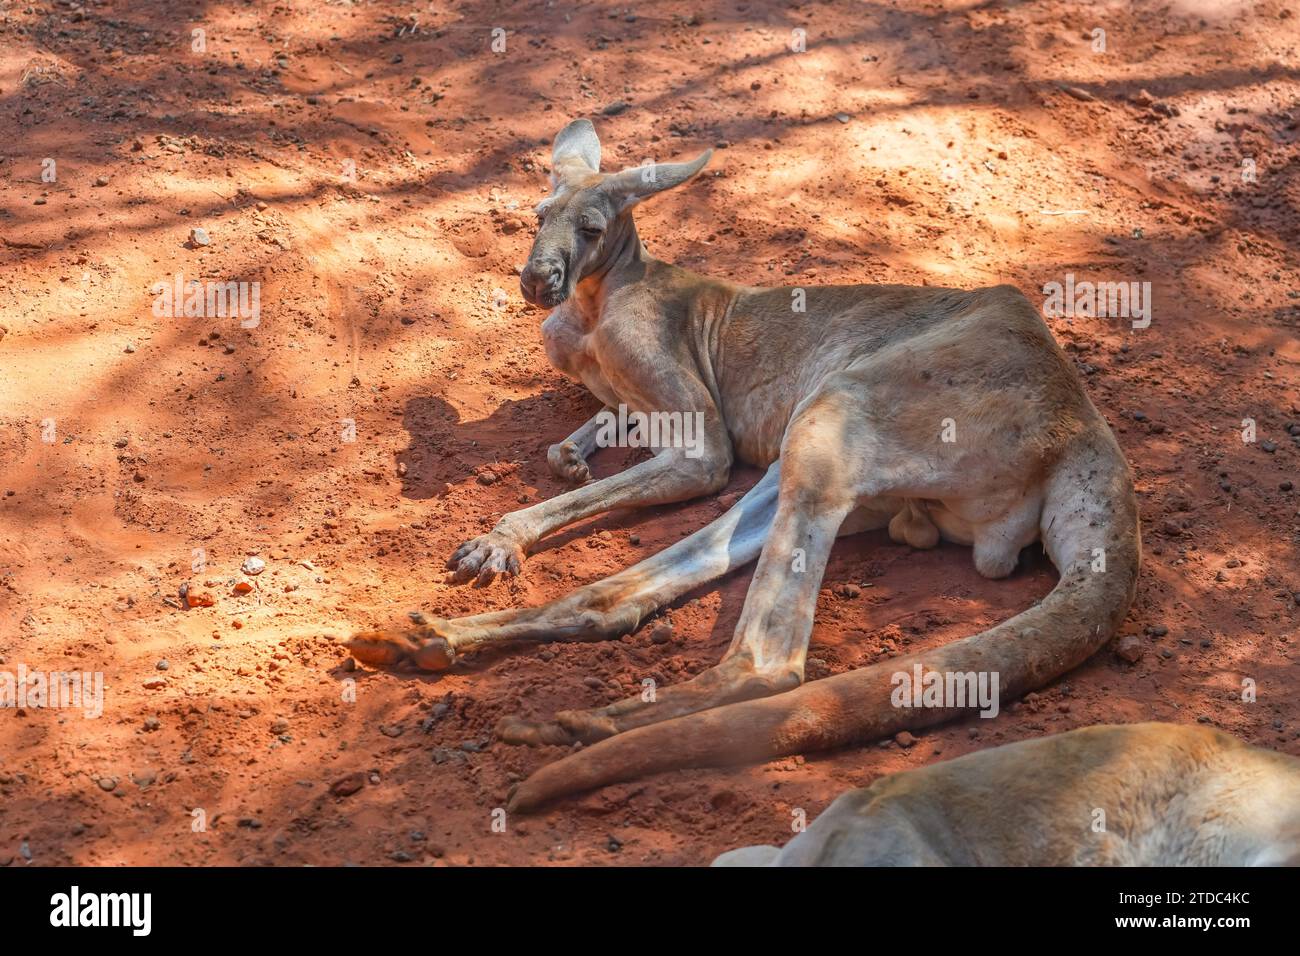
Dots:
pixel 668 477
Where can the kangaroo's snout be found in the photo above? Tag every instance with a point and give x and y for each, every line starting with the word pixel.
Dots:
pixel 542 282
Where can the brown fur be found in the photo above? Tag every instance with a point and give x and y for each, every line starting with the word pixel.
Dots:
pixel 1134 795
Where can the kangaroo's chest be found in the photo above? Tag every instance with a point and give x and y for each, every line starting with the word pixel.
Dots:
pixel 570 348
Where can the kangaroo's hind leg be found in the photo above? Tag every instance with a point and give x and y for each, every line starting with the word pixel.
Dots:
pixel 823 478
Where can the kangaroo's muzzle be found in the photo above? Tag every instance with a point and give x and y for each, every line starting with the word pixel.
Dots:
pixel 543 283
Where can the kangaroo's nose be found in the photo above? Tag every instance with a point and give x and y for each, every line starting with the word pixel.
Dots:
pixel 541 279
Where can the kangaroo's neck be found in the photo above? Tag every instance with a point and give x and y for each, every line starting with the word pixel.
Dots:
pixel 697 307
pixel 623 261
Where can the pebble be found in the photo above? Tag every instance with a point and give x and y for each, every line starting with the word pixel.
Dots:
pixel 1129 648
pixel 155 683
pixel 199 236
pixel 152 723
pixel 253 566
pixel 346 786
pixel 904 739
pixel 162 665
pixel 101 180
pixel 1268 446
pixel 662 633
pixel 107 784
pixel 280 726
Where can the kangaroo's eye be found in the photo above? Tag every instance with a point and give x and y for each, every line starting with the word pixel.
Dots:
pixel 592 232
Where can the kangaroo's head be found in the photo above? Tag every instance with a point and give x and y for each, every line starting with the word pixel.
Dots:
pixel 588 216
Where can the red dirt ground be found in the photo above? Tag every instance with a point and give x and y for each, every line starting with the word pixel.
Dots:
pixel 953 143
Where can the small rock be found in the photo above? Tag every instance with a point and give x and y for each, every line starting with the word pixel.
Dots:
pixel 199 599
pixel 253 566
pixel 155 683
pixel 662 633
pixel 199 236
pixel 1129 648
pixel 107 784
pixel 346 786
pixel 904 739
pixel 613 109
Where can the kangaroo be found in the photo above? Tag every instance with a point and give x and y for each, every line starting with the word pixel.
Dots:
pixel 1134 795
pixel 935 413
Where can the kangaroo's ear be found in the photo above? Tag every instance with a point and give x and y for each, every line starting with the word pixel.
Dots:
pixel 576 151
pixel 632 185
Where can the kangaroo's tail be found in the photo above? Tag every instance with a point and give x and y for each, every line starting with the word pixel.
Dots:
pixel 1089 528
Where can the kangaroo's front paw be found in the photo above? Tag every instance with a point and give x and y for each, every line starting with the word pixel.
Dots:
pixel 424 648
pixel 568 464
pixel 485 557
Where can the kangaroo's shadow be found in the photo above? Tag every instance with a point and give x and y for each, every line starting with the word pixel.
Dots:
pixel 444 449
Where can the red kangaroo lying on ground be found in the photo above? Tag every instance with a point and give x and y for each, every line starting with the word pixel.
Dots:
pixel 1134 795
pixel 936 413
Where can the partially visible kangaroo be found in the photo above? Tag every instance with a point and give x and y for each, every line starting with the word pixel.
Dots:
pixel 935 413
pixel 1135 795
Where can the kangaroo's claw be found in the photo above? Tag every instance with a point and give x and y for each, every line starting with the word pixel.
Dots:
pixel 485 557
pixel 567 463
